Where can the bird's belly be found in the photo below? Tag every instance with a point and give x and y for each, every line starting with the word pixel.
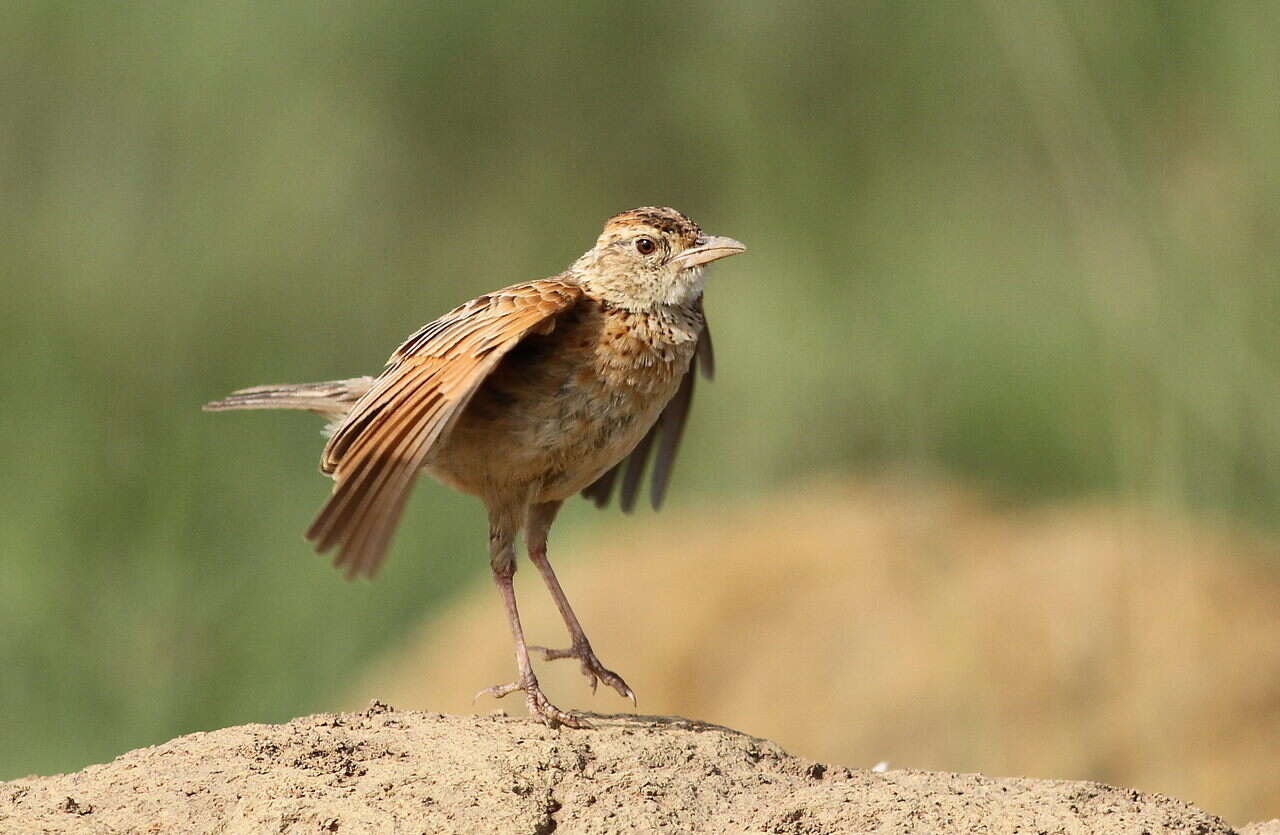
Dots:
pixel 549 442
pixel 590 444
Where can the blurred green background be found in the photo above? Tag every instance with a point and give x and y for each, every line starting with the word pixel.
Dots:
pixel 1031 245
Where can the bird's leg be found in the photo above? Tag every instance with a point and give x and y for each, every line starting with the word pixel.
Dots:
pixel 537 525
pixel 502 561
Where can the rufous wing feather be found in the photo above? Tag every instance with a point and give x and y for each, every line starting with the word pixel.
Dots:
pixel 376 452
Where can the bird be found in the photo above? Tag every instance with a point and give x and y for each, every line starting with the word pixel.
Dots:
pixel 524 397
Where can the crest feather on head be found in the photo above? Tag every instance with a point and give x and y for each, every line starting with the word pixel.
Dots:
pixel 662 218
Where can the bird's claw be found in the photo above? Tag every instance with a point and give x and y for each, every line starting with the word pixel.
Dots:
pixel 591 668
pixel 498 691
pixel 540 707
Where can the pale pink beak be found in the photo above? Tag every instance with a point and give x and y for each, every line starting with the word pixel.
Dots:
pixel 706 250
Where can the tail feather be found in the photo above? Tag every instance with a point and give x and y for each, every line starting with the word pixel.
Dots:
pixel 333 399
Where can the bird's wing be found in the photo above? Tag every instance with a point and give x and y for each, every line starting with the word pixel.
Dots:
pixel 375 453
pixel 666 433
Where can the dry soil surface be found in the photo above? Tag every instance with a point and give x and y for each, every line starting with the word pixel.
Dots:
pixel 390 771
pixel 912 622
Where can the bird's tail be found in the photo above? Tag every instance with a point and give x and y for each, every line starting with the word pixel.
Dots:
pixel 332 399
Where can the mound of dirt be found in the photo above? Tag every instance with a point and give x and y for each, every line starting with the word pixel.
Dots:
pixel 382 770
pixel 923 624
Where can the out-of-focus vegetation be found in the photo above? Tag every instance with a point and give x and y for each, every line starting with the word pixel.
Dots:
pixel 1030 244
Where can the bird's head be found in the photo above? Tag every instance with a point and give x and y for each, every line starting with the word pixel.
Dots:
pixel 649 257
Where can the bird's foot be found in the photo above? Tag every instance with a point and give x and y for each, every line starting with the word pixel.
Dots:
pixel 540 707
pixel 591 668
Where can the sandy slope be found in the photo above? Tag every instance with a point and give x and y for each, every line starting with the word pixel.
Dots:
pixel 921 624
pixel 405 772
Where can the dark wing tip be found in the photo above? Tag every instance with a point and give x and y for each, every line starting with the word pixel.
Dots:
pixel 706 354
pixel 670 429
pixel 600 490
pixel 636 463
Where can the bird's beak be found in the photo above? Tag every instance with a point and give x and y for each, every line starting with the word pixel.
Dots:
pixel 707 249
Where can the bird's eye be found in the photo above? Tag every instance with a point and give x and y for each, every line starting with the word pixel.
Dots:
pixel 645 246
